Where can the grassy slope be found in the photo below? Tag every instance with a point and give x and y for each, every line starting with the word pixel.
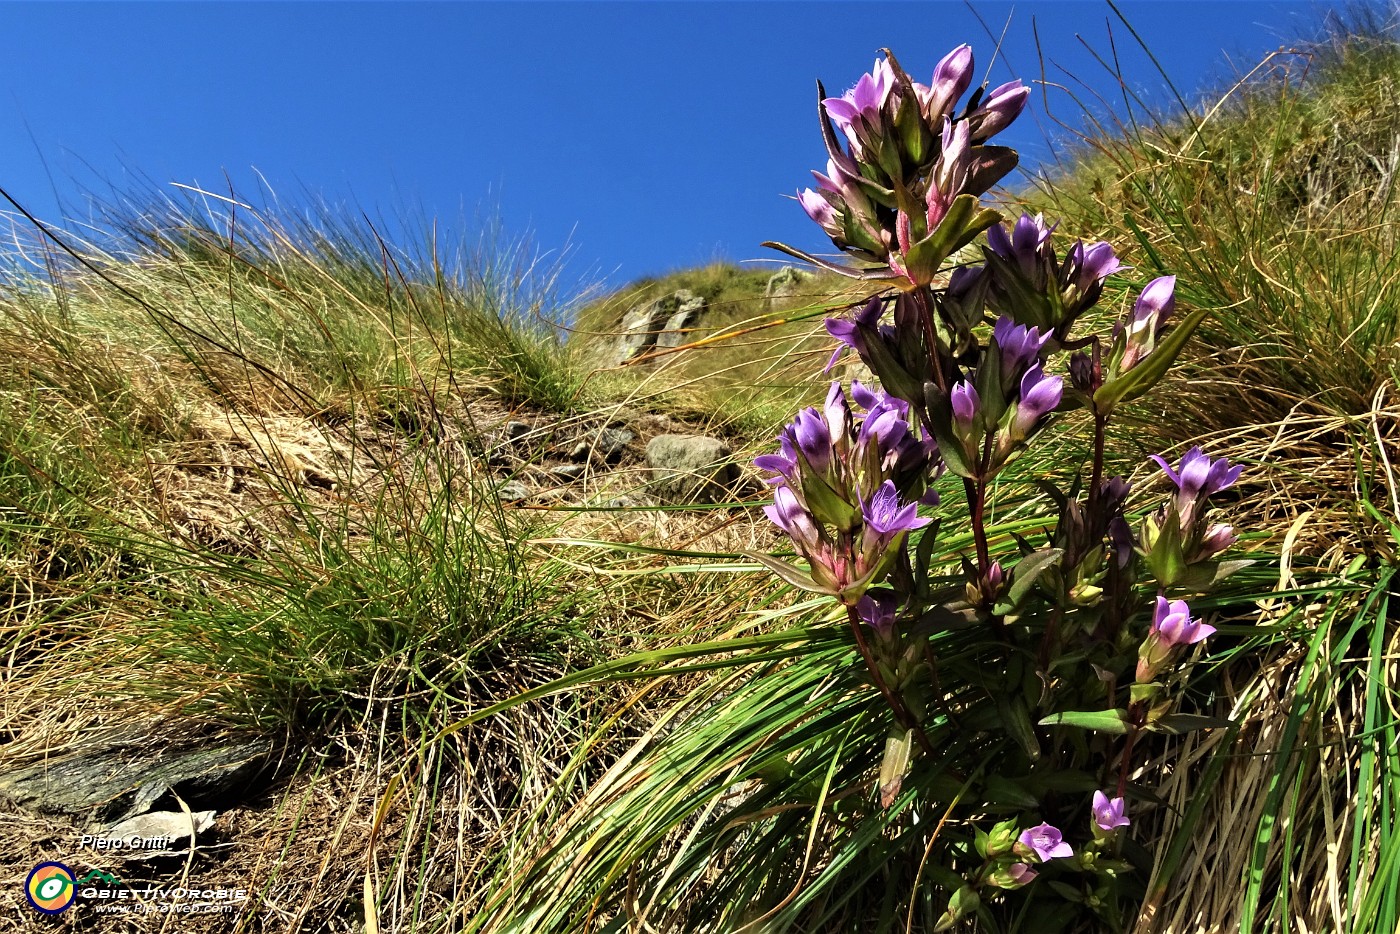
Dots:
pixel 240 486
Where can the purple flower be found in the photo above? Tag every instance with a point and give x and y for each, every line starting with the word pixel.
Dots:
pixel 1090 265
pixel 1020 873
pixel 1046 842
pixel 1215 541
pixel 1040 394
pixel 884 515
pixel 1172 624
pixel 951 76
pixel 1197 478
pixel 998 109
pixel 847 333
pixel 878 609
pixel 863 100
pixel 1151 310
pixel 965 404
pixel 810 435
pixel 1020 346
pixel 788 514
pixel 1109 813
pixel 949 173
pixel 820 210
pixel 1026 244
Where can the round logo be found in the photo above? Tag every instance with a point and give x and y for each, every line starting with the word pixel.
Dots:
pixel 50 887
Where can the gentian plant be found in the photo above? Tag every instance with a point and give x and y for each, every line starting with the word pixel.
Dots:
pixel 1089 626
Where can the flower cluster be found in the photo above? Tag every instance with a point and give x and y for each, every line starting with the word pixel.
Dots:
pixel 847 487
pixel 1055 620
pixel 905 168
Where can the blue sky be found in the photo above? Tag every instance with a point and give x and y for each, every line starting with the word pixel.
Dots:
pixel 642 136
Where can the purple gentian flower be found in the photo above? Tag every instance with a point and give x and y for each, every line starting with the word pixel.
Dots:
pixel 1020 346
pixel 788 514
pixel 1002 105
pixel 1215 541
pixel 1046 842
pixel 1026 243
pixel 863 100
pixel 1151 310
pixel 1197 478
pixel 1090 265
pixel 847 333
pixel 820 210
pixel 966 405
pixel 949 175
pixel 878 609
pixel 951 77
pixel 812 437
pixel 886 517
pixel 1109 813
pixel 1173 625
pixel 1040 394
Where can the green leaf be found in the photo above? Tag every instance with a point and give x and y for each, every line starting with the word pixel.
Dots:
pixel 1024 575
pixel 1102 721
pixel 788 573
pixel 1187 722
pixel 1016 716
pixel 899 748
pixel 1207 574
pixel 1141 378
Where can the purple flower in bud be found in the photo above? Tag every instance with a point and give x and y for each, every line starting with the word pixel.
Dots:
pixel 1082 375
pixel 1114 492
pixel 847 333
pixel 1109 813
pixel 965 405
pixel 884 515
pixel 810 435
pixel 951 77
pixel 1090 265
pixel 878 608
pixel 1020 874
pixel 1121 535
pixel 998 109
pixel 1046 842
pixel 1172 624
pixel 1151 310
pixel 963 280
pixel 1020 346
pixel 837 413
pixel 949 173
pixel 1197 478
pixel 820 210
pixel 788 514
pixel 1219 538
pixel 1040 394
pixel 1025 246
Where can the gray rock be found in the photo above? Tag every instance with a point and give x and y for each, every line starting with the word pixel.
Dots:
pixel 514 430
pixel 608 444
pixel 569 471
pixel 512 491
pixel 686 315
pixel 114 782
pixel 784 282
pixel 690 468
pixel 641 326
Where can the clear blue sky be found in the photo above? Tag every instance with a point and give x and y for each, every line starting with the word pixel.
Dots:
pixel 645 135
